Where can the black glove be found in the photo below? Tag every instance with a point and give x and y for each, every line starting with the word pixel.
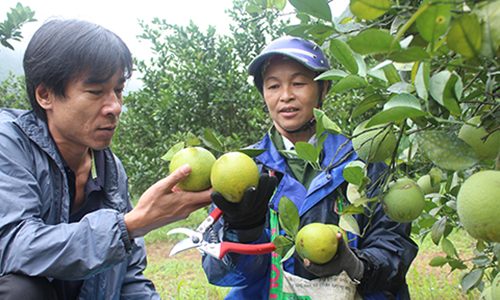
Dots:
pixel 344 259
pixel 251 211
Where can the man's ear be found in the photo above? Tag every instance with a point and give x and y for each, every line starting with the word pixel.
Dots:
pixel 43 97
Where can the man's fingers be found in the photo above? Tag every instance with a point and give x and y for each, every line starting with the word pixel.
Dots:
pixel 177 176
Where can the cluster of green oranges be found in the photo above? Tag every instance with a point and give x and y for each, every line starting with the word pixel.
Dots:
pixel 231 174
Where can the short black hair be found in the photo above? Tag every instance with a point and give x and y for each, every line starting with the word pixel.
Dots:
pixel 62 50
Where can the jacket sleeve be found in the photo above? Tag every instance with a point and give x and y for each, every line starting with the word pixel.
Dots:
pixel 235 269
pixel 386 250
pixel 33 241
pixel 135 285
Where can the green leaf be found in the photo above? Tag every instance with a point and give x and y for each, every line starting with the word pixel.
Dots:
pixel 496 250
pixel 251 9
pixel 343 54
pixel 352 209
pixel 434 21
pixel 427 222
pixel 447 150
pixel 361 65
pixel 288 217
pixel 364 182
pixel 348 83
pixel 331 75
pixel 212 141
pixel 369 9
pixel 354 172
pixel 171 152
pixel 192 140
pixel 304 18
pixel 399 107
pixel 325 124
pixel 366 104
pixel 457 264
pixel 348 223
pixel 448 248
pixel 438 230
pixel 488 12
pixel 436 176
pixel 401 87
pixel 363 200
pixel 471 279
pixel 372 41
pixel 391 73
pixel 446 88
pixel 422 80
pixel 438 261
pixel 321 31
pixel 252 152
pixel 289 254
pixel 307 152
pixel 280 4
pixel 464 35
pixel 317 8
pixel 481 261
pixel 298 30
pixel 409 55
pixel 282 244
pixel 352 192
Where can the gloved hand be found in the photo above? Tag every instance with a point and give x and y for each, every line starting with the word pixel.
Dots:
pixel 344 259
pixel 251 211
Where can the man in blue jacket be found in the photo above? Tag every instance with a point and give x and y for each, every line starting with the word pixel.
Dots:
pixel 67 226
pixel 376 263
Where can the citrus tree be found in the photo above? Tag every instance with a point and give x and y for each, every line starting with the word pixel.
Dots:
pixel 195 80
pixel 13 93
pixel 10 29
pixel 425 76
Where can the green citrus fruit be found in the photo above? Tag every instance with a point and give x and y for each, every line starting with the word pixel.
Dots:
pixel 373 145
pixel 472 135
pixel 495 288
pixel 316 242
pixel 424 183
pixel 478 205
pixel 201 161
pixel 486 294
pixel 232 174
pixel 404 201
pixel 336 229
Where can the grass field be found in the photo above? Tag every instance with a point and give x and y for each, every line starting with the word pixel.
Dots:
pixel 181 276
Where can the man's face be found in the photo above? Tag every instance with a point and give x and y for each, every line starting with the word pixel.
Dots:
pixel 87 117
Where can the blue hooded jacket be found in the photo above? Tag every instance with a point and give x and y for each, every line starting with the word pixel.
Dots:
pixel 386 248
pixel 35 236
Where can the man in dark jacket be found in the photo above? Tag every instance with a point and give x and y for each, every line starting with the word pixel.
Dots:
pixel 67 226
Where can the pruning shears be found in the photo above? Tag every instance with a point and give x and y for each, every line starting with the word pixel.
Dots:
pixel 215 249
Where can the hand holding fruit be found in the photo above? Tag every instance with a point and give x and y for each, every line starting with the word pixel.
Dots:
pixel 344 259
pixel 161 205
pixel 251 211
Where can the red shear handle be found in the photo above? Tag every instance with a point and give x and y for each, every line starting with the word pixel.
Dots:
pixel 250 249
pixel 216 214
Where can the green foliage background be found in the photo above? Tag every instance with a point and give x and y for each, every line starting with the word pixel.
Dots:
pixel 421 67
pixel 195 80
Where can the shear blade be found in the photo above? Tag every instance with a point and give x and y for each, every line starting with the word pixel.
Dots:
pixel 183 245
pixel 185 231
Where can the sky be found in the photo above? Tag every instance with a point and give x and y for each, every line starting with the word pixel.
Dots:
pixel 123 18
